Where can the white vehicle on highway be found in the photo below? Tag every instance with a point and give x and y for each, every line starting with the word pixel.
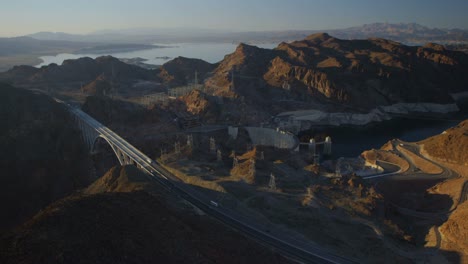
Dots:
pixel 214 203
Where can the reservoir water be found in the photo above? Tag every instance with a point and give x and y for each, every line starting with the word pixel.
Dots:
pixel 210 52
pixel 352 141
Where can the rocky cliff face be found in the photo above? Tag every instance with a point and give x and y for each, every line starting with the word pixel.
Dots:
pixel 361 73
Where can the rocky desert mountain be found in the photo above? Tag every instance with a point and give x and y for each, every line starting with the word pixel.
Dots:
pixel 359 73
pixel 73 74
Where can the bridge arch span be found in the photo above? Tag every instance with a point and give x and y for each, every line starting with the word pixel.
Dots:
pixel 122 157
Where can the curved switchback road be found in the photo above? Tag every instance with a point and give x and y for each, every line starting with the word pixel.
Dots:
pixel 413 171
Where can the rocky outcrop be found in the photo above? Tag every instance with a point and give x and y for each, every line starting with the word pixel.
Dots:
pixel 360 73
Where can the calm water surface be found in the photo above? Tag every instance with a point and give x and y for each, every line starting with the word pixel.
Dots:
pixel 210 52
pixel 351 142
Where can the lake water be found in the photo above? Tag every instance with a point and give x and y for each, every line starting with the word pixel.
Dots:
pixel 210 52
pixel 352 141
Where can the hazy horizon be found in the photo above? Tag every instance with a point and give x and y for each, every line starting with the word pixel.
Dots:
pixel 28 16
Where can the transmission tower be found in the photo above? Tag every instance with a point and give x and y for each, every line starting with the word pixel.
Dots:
pixel 312 146
pixel 212 145
pixel 272 183
pixel 190 141
pixel 252 167
pixel 112 81
pixel 163 152
pixel 232 80
pixel 286 86
pixel 316 159
pixel 177 147
pixel 327 146
pixel 338 167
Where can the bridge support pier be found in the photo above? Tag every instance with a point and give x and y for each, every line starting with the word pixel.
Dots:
pixel 123 159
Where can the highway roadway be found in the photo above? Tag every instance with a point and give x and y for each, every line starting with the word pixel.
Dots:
pixel 300 250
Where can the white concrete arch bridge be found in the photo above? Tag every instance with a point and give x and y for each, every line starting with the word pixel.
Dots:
pixel 92 130
pixel 298 249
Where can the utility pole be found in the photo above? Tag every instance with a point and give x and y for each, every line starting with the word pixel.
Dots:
pixel 112 81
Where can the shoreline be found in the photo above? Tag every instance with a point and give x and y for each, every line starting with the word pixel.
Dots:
pixel 303 120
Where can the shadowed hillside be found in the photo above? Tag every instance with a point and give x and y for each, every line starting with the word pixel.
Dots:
pixel 41 159
pixel 450 146
pixel 122 218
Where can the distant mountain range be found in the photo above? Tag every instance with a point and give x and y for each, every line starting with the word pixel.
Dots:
pixel 406 33
pixel 409 33
pixel 362 74
pixel 29 45
pixel 27 49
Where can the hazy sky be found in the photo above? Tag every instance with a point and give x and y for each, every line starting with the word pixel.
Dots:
pixel 19 17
